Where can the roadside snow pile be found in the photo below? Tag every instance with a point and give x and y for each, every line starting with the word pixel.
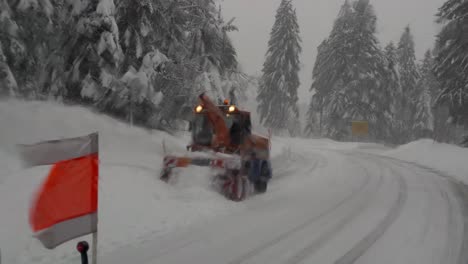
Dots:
pixel 329 144
pixel 134 204
pixel 449 159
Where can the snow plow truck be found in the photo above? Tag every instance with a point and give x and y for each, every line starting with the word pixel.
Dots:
pixel 222 137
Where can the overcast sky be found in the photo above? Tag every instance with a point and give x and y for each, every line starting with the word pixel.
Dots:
pixel 255 19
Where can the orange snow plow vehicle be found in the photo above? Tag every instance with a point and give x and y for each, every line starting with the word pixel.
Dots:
pixel 223 134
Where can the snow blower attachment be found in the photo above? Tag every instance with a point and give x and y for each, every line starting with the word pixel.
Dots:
pixel 223 134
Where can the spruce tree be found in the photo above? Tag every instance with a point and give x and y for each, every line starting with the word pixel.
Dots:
pixel 105 52
pixel 143 38
pixel 349 74
pixel 451 62
pixel 409 76
pixel 94 52
pixel 277 93
pixel 424 122
pixel 367 94
pixel 391 54
pixel 328 77
pixel 392 84
pixel 137 26
pixel 8 84
pixel 442 129
pixel 8 34
pixel 207 62
pixel 37 34
pixel 316 108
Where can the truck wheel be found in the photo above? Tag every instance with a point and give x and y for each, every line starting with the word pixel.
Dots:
pixel 261 186
pixel 264 178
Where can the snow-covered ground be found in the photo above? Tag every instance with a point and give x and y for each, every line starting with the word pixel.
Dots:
pixel 448 159
pixel 329 202
pixel 134 204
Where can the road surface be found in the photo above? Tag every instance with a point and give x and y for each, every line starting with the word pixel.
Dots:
pixel 327 206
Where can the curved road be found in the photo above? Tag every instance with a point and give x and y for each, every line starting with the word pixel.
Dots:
pixel 328 206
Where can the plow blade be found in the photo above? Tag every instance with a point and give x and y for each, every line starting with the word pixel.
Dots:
pixel 231 183
pixel 171 162
pixel 183 162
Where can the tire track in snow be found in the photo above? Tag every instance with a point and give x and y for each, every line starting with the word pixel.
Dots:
pixel 318 161
pixel 451 252
pixel 459 188
pixel 451 228
pixel 425 182
pixel 461 191
pixel 332 231
pixel 298 228
pixel 362 246
pixel 449 196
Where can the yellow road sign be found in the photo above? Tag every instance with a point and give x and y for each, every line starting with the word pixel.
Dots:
pixel 360 128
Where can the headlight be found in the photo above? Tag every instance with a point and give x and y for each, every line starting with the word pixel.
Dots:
pixel 232 109
pixel 198 109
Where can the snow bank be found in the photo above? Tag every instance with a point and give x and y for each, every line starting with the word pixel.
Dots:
pixel 449 159
pixel 329 144
pixel 134 204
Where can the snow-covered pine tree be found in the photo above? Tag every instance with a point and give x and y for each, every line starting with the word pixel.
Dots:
pixel 391 54
pixel 148 25
pixel 207 62
pixel 277 93
pixel 93 53
pixel 315 111
pixel 367 95
pixel 171 23
pixel 211 48
pixel 52 34
pixel 427 84
pixel 443 130
pixel 136 22
pixel 142 35
pixel 349 76
pixel 34 47
pixel 8 34
pixel 392 84
pixel 72 49
pixel 451 62
pixel 328 77
pixel 234 82
pixel 8 85
pixel 409 76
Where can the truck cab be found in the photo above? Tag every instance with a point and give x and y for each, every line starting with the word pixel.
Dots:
pixel 238 124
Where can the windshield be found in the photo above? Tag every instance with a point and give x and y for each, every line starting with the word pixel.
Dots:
pixel 229 120
pixel 202 131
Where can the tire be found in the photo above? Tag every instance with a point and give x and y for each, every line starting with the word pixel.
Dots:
pixel 264 175
pixel 261 186
pixel 264 172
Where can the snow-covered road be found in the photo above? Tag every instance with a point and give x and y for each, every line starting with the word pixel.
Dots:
pixel 327 206
pixel 329 202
